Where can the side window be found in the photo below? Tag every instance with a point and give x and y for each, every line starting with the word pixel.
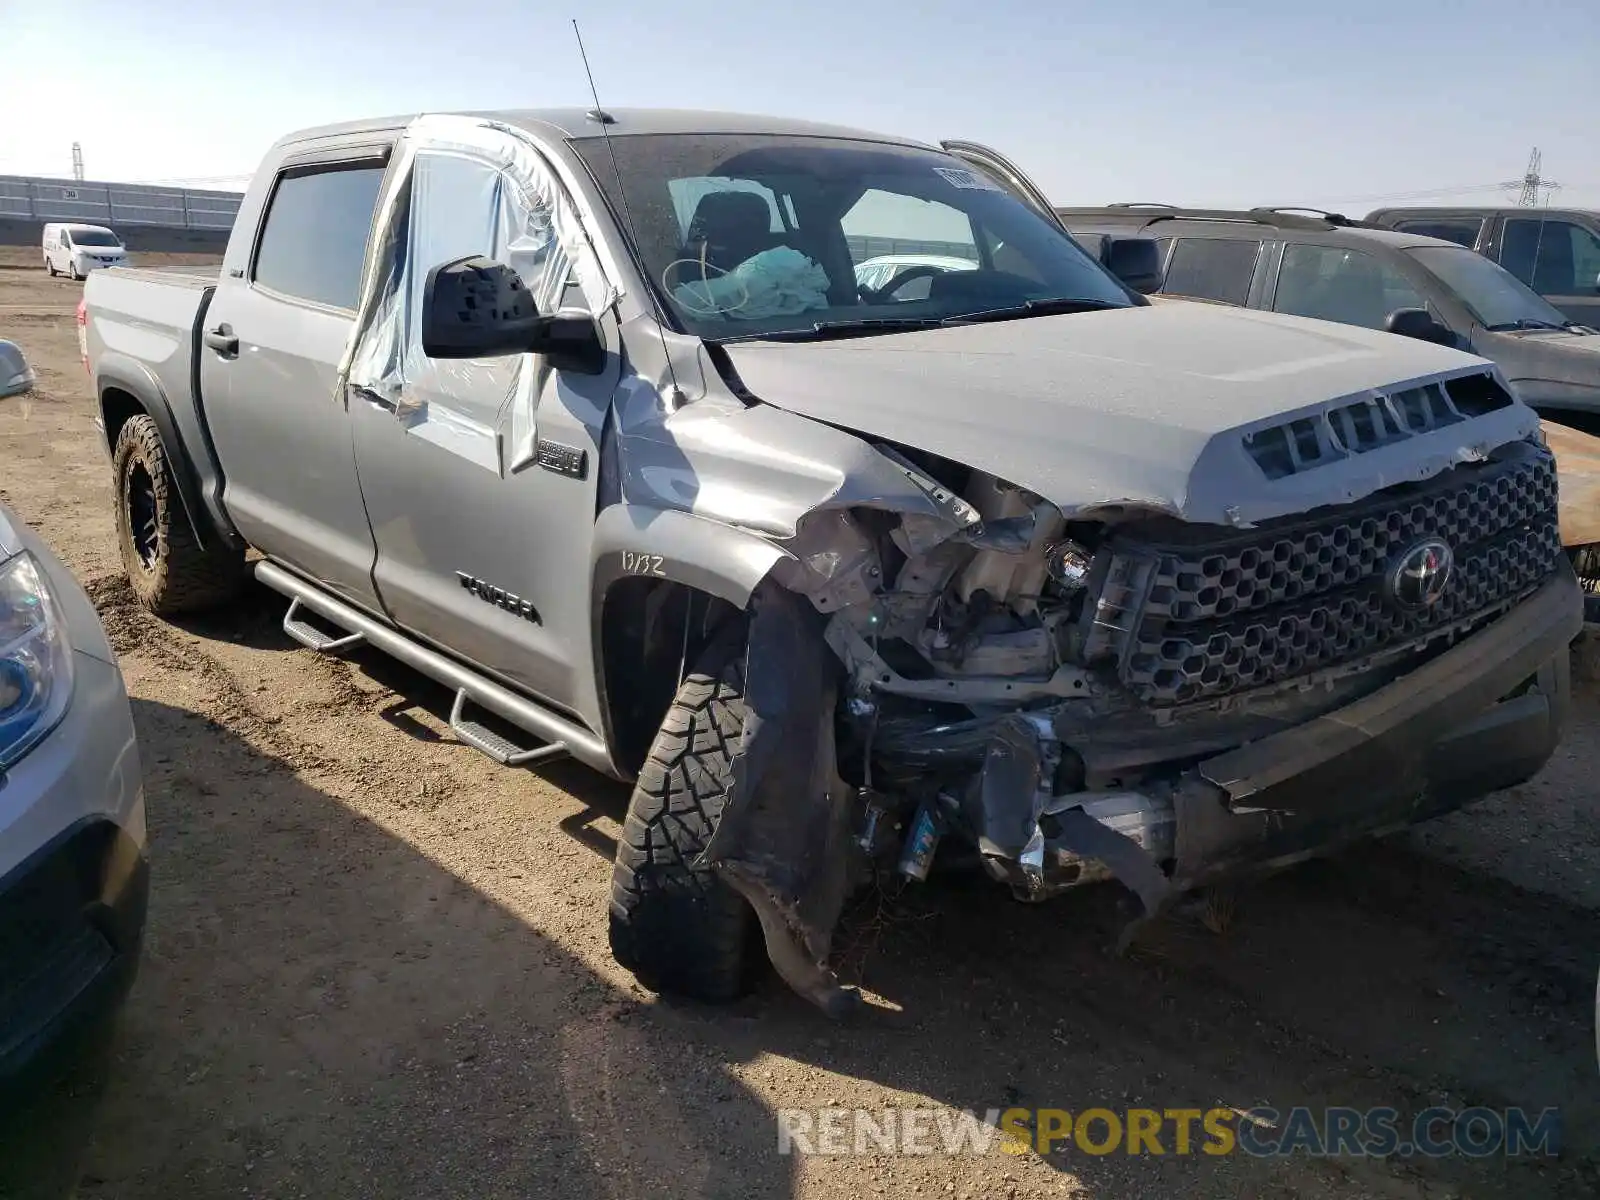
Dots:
pixel 1332 283
pixel 314 238
pixel 1463 232
pixel 1212 269
pixel 1585 261
pixel 1555 258
pixel 462 206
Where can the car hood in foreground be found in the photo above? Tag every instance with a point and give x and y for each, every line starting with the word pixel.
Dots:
pixel 1144 406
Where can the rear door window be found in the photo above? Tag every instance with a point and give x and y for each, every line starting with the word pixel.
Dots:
pixel 1334 283
pixel 1463 232
pixel 1212 269
pixel 1555 258
pixel 314 237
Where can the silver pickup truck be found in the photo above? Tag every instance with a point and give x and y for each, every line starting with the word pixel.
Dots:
pixel 588 416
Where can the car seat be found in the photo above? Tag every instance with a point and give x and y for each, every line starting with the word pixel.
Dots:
pixel 729 227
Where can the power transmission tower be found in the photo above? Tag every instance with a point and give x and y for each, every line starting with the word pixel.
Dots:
pixel 77 161
pixel 1531 182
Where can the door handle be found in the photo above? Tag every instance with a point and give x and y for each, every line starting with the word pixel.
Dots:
pixel 223 340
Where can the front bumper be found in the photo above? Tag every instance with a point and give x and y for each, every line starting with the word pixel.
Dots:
pixel 71 928
pixel 1479 717
pixel 75 881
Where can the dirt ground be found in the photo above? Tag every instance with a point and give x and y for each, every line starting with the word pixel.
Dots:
pixel 377 963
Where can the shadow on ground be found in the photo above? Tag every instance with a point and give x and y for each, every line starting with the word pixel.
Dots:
pixel 326 1011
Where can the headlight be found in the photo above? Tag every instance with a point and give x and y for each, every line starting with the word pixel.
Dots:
pixel 35 658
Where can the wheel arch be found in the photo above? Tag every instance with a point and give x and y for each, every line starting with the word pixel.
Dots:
pixel 665 583
pixel 126 390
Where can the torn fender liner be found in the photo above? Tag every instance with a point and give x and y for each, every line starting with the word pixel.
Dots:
pixel 784 839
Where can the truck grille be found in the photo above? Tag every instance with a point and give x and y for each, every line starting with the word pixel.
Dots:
pixel 1194 612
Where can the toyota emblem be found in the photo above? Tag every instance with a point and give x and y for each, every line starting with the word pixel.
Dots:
pixel 1419 574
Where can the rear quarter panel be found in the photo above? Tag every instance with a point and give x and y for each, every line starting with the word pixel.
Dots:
pixel 141 339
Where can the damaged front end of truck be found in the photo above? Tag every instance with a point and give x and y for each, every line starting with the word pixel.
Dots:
pixel 1162 688
pixel 1151 593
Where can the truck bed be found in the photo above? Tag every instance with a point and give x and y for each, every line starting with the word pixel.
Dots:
pixel 187 274
pixel 142 336
pixel 150 315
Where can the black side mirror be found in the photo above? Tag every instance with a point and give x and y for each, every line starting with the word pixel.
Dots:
pixel 570 341
pixel 1419 323
pixel 475 307
pixel 1134 260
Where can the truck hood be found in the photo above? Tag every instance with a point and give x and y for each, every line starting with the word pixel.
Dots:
pixel 1144 406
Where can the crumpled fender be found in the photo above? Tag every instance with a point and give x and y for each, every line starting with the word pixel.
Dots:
pixel 634 540
pixel 784 838
pixel 761 469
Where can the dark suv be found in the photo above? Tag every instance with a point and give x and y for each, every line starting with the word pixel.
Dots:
pixel 1555 251
pixel 1327 266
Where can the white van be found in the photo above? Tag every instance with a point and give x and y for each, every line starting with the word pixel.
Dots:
pixel 75 250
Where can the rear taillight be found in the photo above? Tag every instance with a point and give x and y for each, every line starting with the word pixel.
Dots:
pixel 83 333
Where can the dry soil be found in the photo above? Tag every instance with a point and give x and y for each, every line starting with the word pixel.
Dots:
pixel 377 963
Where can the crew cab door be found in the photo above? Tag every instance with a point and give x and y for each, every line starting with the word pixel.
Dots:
pixel 271 344
pixel 1007 174
pixel 1558 257
pixel 480 476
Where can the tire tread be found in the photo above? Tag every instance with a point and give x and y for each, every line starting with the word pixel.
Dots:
pixel 187 577
pixel 676 925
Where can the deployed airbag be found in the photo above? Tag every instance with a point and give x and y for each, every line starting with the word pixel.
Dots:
pixel 775 283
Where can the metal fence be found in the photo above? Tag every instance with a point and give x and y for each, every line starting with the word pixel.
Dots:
pixel 29 198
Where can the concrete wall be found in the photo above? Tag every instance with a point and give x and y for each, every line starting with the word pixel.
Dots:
pixel 149 239
pixel 119 205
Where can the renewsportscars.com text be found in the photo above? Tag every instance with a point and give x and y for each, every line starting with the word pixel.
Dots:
pixel 1259 1132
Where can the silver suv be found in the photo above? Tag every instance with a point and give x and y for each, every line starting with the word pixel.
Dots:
pixel 73 875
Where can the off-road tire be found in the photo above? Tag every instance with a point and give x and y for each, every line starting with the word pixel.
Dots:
pixel 677 926
pixel 167 568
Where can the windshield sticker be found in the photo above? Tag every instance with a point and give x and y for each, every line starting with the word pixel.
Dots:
pixel 970 181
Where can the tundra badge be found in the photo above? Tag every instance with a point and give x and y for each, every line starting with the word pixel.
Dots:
pixel 499 597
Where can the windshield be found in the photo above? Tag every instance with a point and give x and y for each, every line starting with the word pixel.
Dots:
pixel 1496 297
pixel 93 237
pixel 750 235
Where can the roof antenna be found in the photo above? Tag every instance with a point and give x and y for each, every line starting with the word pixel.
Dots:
pixel 605 120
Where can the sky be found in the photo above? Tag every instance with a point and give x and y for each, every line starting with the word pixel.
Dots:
pixel 1229 103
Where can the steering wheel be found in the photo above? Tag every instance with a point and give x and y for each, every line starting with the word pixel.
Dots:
pixel 884 294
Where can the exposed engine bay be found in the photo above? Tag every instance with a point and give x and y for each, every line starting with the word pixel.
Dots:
pixel 962 659
pixel 1061 701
